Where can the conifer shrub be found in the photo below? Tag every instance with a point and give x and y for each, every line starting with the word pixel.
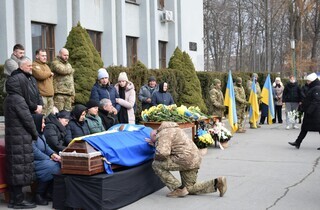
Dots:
pixel 190 89
pixel 85 60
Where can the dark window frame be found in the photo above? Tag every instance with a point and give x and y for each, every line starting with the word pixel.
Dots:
pixel 162 54
pixel 47 39
pixel 132 50
pixel 95 37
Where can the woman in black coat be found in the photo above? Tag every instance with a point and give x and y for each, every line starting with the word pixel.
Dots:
pixel 20 130
pixel 311 109
pixel 55 130
pixel 162 96
pixel 77 126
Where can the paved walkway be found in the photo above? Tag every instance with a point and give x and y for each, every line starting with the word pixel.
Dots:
pixel 262 170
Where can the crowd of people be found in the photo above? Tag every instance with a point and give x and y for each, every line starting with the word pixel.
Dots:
pixel 41 119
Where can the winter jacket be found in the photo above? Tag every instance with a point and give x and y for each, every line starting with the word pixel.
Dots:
pixel 145 93
pixel 99 92
pixel 44 166
pixel 76 129
pixel 161 98
pixel 277 95
pixel 29 88
pixel 291 93
pixel 55 133
pixel 129 101
pixel 172 142
pixel 108 119
pixel 94 123
pixel 311 108
pixel 63 82
pixel 20 130
pixel 42 73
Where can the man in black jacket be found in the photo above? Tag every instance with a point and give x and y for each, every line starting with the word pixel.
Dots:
pixel 106 114
pixel 22 78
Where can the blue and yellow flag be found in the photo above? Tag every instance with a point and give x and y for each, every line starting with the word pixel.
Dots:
pixel 254 105
pixel 267 98
pixel 230 102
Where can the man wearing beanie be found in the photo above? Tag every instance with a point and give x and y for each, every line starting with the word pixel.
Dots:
pixel 146 92
pixel 93 119
pixel 103 89
pixel 217 99
pixel 311 109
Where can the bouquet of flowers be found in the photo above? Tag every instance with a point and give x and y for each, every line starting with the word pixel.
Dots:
pixel 172 113
pixel 220 133
pixel 203 139
pixel 293 116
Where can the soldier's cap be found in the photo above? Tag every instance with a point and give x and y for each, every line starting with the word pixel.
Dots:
pixel 239 80
pixel 216 81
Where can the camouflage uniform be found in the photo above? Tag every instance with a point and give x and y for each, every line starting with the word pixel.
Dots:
pixel 43 75
pixel 63 84
pixel 217 99
pixel 241 102
pixel 176 152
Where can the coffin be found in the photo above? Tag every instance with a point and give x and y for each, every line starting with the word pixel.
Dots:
pixel 81 158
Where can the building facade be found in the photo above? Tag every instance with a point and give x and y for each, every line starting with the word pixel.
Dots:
pixel 123 31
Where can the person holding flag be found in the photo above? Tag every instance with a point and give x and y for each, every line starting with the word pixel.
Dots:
pixel 229 101
pixel 258 92
pixel 241 104
pixel 254 108
pixel 267 99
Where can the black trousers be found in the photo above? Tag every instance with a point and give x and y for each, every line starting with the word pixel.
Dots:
pixel 277 114
pixel 301 136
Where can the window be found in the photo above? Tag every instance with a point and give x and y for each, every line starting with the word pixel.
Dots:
pixel 132 56
pixel 162 55
pixel 161 4
pixel 96 40
pixel 43 38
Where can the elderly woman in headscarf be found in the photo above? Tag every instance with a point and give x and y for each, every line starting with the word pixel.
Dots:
pixel 162 96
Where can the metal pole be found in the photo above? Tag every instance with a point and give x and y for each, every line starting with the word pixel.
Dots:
pixel 294 64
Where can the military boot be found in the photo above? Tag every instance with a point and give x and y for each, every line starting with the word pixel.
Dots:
pixel 221 185
pixel 178 193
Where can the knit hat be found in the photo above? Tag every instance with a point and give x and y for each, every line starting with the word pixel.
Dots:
pixel 278 79
pixel 123 77
pixel 216 81
pixel 63 114
pixel 152 78
pixel 102 73
pixel 312 77
pixel 239 80
pixel 92 103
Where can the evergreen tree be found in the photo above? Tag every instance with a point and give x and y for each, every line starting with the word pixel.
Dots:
pixel 190 93
pixel 85 59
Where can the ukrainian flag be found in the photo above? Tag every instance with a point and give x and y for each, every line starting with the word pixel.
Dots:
pixel 267 98
pixel 254 105
pixel 230 102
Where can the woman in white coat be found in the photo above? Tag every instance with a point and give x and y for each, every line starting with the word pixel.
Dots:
pixel 127 99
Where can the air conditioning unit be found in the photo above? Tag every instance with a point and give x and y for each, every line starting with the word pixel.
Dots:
pixel 166 16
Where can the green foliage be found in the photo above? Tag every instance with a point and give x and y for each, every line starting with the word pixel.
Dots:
pixel 190 89
pixel 85 59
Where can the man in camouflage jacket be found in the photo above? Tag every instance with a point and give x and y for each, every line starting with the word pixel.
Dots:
pixel 176 152
pixel 258 89
pixel 241 103
pixel 217 99
pixel 63 83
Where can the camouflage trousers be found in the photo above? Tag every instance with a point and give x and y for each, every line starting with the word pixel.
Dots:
pixel 63 102
pixel 47 105
pixel 188 177
pixel 241 111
